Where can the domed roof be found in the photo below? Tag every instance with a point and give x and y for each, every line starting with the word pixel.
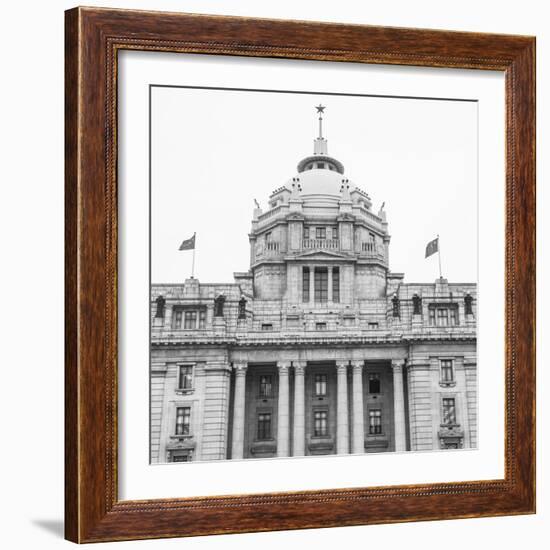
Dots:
pixel 320 174
pixel 320 182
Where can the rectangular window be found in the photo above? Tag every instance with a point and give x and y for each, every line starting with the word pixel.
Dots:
pixel 447 370
pixel 306 232
pixel 443 316
pixel 449 411
pixel 190 320
pixel 321 284
pixel 320 232
pixel 267 326
pixel 176 318
pixel 375 421
pixel 320 326
pixel 320 385
pixel 185 377
pixel 265 386
pixel 183 420
pixel 320 423
pixel 374 382
pixel 305 284
pixel 335 233
pixel 268 236
pixel 264 426
pixel 335 284
pixel 372 326
pixel 454 316
pixel 202 318
pixel 180 458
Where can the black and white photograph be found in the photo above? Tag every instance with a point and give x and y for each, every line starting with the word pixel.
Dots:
pixel 313 274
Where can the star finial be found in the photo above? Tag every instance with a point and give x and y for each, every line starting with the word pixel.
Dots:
pixel 320 109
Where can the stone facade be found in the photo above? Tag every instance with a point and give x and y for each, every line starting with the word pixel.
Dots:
pixel 318 348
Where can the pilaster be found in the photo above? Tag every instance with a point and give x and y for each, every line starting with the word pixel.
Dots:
pixel 237 447
pixel 342 422
pixel 358 426
pixel 283 435
pixel 299 409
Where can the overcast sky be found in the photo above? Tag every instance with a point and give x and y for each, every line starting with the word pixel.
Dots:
pixel 214 151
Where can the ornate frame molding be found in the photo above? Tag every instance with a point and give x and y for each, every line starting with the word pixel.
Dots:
pixel 93 38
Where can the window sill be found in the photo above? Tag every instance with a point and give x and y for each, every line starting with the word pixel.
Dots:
pixel 180 391
pixel 447 384
pixel 187 436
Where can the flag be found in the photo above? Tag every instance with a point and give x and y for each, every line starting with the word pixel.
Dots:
pixel 432 247
pixel 188 244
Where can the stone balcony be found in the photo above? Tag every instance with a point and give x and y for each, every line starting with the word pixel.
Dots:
pixel 321 244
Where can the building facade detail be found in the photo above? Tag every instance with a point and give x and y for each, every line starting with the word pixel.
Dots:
pixel 318 348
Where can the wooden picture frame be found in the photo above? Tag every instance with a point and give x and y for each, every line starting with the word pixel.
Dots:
pixel 94 37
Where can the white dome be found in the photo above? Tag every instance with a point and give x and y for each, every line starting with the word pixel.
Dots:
pixel 320 182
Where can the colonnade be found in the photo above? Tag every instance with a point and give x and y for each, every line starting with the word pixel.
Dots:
pixel 343 445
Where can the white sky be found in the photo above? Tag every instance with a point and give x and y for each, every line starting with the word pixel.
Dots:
pixel 214 151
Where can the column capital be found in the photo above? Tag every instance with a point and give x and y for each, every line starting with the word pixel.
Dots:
pixel 299 367
pixel 397 364
pixel 240 368
pixel 357 365
pixel 283 367
pixel 342 365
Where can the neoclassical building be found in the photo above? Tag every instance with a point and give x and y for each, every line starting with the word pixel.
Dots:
pixel 318 348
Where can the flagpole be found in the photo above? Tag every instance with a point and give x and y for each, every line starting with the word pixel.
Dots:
pixel 194 248
pixel 439 255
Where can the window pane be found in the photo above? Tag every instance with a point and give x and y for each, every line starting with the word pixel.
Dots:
pixel 336 284
pixel 449 412
pixel 305 284
pixel 190 320
pixel 454 316
pixel 185 377
pixel 446 370
pixel 321 284
pixel 183 416
pixel 176 318
pixel 320 385
pixel 321 232
pixel 320 423
pixel 265 386
pixel 374 383
pixel 202 318
pixel 264 426
pixel 375 421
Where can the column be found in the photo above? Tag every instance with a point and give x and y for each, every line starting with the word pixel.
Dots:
pixel 399 406
pixel 283 410
pixel 238 411
pixel 358 426
pixel 342 435
pixel 311 284
pixel 299 409
pixel 329 283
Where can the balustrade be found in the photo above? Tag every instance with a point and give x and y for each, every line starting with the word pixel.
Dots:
pixel 327 244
